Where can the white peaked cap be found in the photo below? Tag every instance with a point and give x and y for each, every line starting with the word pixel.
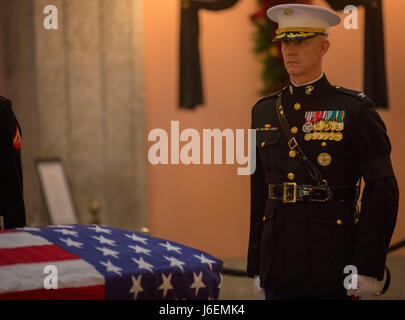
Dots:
pixel 298 21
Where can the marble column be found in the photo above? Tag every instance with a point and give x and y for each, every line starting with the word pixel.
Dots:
pixel 87 105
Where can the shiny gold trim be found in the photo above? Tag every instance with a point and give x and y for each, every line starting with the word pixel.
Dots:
pixel 285 198
pixel 301 29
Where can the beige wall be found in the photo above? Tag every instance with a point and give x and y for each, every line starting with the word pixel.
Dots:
pixel 207 207
pixel 204 206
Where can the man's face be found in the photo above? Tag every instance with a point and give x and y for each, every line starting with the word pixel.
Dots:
pixel 301 56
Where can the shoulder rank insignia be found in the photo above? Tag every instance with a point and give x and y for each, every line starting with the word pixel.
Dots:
pixel 273 95
pixel 356 94
pixel 17 139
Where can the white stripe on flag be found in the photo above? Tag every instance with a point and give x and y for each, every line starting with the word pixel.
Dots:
pixel 20 239
pixel 31 276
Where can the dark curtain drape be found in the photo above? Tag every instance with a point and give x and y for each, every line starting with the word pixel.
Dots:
pixel 191 89
pixel 375 81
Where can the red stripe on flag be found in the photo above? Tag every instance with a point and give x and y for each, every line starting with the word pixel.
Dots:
pixel 34 254
pixel 8 231
pixel 81 293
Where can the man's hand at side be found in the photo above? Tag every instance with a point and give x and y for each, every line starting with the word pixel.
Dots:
pixel 366 286
pixel 258 291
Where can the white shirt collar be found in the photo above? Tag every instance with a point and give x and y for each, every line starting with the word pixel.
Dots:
pixel 305 84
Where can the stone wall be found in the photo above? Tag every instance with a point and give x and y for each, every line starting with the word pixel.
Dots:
pixel 77 92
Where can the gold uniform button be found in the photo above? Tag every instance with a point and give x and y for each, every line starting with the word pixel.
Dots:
pixel 264 218
pixel 263 144
pixel 294 130
pixel 292 153
pixel 291 176
pixel 297 106
pixel 323 144
pixel 339 222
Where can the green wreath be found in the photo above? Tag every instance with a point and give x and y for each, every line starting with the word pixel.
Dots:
pixel 274 75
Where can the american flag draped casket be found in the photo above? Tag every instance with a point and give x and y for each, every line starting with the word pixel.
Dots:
pixel 97 262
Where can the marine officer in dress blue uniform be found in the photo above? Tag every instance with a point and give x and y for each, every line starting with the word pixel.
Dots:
pixel 315 141
pixel 12 209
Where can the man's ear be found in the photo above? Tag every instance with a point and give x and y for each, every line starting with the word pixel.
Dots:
pixel 325 45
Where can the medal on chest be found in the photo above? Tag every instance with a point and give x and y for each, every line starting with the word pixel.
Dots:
pixel 324 159
pixel 308 126
pixel 324 125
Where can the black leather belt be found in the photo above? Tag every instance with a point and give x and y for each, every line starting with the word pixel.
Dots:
pixel 290 192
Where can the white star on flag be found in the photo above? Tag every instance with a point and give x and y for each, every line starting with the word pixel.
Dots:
pixel 175 263
pixel 198 283
pixel 108 252
pixel 67 232
pixel 111 268
pixel 97 228
pixel 103 240
pixel 142 264
pixel 169 247
pixel 70 243
pixel 205 260
pixel 166 285
pixel 136 286
pixel 136 238
pixel 139 249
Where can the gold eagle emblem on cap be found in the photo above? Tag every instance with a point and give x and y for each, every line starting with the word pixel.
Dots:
pixel 287 12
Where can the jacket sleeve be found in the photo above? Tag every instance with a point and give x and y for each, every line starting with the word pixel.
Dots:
pixel 379 203
pixel 258 195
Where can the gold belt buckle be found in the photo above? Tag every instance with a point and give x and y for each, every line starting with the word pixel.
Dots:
pixel 287 196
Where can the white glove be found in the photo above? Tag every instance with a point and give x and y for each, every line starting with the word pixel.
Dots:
pixel 366 286
pixel 258 291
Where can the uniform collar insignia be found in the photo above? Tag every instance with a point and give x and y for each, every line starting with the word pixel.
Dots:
pixel 308 88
